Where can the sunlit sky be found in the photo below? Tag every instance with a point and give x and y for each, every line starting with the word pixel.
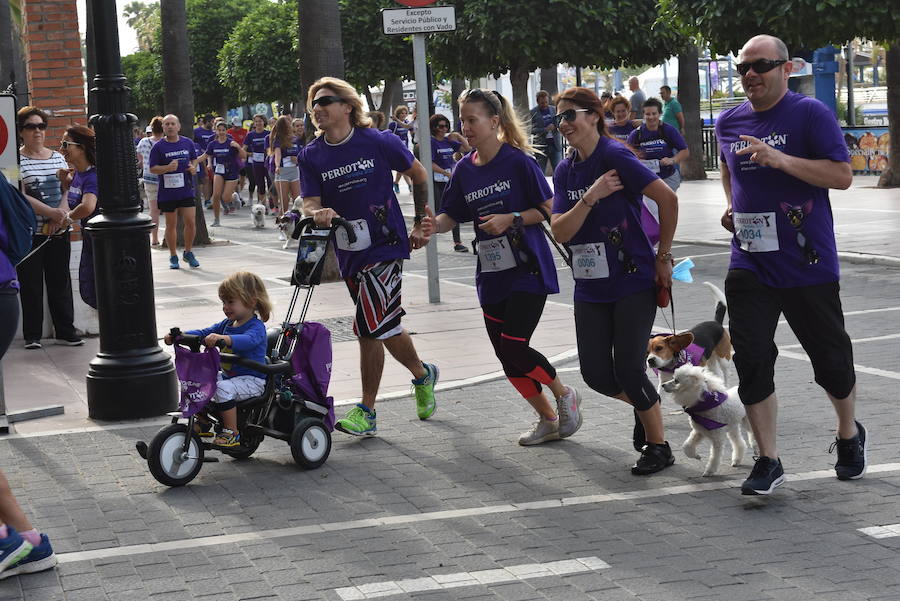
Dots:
pixel 127 37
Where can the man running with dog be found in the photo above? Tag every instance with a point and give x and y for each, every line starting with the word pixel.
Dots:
pixel 781 152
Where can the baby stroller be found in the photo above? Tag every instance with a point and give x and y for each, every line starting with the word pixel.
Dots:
pixel 293 406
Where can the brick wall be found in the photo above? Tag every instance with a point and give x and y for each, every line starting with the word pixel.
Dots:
pixel 53 59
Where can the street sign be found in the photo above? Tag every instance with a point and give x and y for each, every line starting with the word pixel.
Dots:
pixel 9 148
pixel 404 21
pixel 416 3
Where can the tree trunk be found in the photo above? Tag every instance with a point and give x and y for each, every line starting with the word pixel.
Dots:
pixel 550 81
pixel 321 50
pixel 321 54
pixel 7 70
pixel 457 86
pixel 689 97
pixel 890 177
pixel 518 77
pixel 178 95
pixel 391 86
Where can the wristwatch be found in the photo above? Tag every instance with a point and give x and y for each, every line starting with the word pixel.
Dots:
pixel 665 257
pixel 517 219
pixel 417 219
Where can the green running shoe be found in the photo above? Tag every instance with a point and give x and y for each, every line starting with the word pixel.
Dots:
pixel 424 391
pixel 359 421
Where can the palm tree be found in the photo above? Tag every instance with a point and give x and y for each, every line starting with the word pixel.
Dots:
pixel 143 18
pixel 12 57
pixel 178 96
pixel 321 50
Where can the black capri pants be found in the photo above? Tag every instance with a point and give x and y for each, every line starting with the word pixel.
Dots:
pixel 814 314
pixel 612 346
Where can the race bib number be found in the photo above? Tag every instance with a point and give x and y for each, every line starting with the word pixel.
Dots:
pixel 363 237
pixel 287 162
pixel 258 157
pixel 440 177
pixel 220 168
pixel 495 255
pixel 589 261
pixel 173 180
pixel 652 165
pixel 756 232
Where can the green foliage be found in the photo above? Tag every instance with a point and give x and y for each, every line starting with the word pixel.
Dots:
pixel 209 25
pixel 144 74
pixel 493 37
pixel 259 60
pixel 143 17
pixel 370 56
pixel 805 24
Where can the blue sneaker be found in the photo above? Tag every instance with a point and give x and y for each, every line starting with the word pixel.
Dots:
pixel 39 559
pixel 396 188
pixel 173 262
pixel 13 549
pixel 191 259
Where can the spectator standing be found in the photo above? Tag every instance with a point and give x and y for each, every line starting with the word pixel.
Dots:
pixel 672 111
pixel 50 264
pixel 637 98
pixel 545 135
pixel 445 147
pixel 150 181
pixel 79 148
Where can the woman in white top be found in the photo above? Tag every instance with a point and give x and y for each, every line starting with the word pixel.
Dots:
pixel 151 181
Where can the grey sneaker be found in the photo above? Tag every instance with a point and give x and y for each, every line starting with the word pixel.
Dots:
pixel 568 407
pixel 543 430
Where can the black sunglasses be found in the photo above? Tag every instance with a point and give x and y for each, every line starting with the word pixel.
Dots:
pixel 40 126
pixel 326 100
pixel 568 115
pixel 760 66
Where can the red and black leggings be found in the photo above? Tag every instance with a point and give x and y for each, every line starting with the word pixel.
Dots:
pixel 510 325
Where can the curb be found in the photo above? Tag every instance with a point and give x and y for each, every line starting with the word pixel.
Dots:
pixel 847 256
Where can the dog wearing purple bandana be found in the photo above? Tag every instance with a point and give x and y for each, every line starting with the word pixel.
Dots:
pixel 716 413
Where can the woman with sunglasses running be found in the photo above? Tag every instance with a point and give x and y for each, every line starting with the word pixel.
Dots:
pixel 501 188
pixel 596 212
pixel 444 147
pixel 255 145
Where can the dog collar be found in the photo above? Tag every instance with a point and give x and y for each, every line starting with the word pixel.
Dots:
pixel 692 354
pixel 708 400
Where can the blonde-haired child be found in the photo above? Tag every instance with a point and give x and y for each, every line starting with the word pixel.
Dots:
pixel 243 296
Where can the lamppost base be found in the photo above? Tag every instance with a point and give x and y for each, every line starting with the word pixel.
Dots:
pixel 133 384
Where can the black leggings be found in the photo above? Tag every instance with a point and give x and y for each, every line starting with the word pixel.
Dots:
pixel 510 325
pixel 612 346
pixel 9 308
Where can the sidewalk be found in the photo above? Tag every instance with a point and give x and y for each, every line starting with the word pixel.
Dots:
pixel 450 334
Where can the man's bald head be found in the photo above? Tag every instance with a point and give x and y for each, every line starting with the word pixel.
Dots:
pixel 768 44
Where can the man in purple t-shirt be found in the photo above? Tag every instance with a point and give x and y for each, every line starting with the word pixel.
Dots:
pixel 346 172
pixel 781 152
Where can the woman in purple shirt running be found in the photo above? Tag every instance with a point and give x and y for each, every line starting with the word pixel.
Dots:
pixel 221 154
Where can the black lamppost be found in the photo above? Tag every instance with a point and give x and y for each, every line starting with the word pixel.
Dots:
pixel 131 376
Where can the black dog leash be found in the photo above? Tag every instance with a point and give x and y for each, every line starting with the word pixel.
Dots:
pixel 563 252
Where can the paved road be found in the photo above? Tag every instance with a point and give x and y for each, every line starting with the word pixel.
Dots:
pixel 452 508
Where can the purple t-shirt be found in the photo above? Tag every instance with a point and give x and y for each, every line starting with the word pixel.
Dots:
pixel 401 131
pixel 256 144
pixel 611 255
pixel 289 153
pixel 653 146
pixel 510 182
pixel 178 184
pixel 784 229
pixel 83 182
pixel 8 278
pixel 203 136
pixel 442 152
pixel 620 132
pixel 354 178
pixel 224 158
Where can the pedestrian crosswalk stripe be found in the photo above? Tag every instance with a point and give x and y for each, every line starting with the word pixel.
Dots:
pixel 459 579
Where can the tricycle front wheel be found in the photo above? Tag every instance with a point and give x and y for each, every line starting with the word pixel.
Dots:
pixel 167 459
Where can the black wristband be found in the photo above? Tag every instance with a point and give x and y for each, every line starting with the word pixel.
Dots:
pixel 417 219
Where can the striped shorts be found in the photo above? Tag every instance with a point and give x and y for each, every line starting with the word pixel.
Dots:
pixel 376 291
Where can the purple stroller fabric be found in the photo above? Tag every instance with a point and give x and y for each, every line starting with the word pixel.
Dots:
pixel 198 375
pixel 312 367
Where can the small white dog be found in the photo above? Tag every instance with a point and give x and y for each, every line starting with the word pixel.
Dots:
pixel 715 413
pixel 258 215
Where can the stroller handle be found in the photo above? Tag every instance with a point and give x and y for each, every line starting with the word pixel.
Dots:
pixel 336 222
pixel 191 341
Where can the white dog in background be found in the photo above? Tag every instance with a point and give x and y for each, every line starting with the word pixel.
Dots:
pixel 258 215
pixel 716 413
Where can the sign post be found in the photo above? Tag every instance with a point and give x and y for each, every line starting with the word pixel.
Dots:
pixel 419 20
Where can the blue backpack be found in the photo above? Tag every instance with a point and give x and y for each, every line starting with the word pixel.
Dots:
pixel 18 219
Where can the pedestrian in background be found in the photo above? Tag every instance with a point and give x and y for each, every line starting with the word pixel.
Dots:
pixel 377 118
pixel 445 148
pixel 597 213
pixel 284 147
pixel 402 126
pixel 544 135
pixel 673 114
pixel 49 265
pixel 222 154
pixel 502 190
pixel 149 180
pixel 203 134
pixel 622 124
pixel 637 98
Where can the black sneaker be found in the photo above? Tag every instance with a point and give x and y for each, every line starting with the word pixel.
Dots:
pixel 654 457
pixel 767 474
pixel 638 436
pixel 32 344
pixel 852 456
pixel 76 341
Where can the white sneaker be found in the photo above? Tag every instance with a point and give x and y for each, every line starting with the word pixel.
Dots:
pixel 281 237
pixel 543 430
pixel 568 407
